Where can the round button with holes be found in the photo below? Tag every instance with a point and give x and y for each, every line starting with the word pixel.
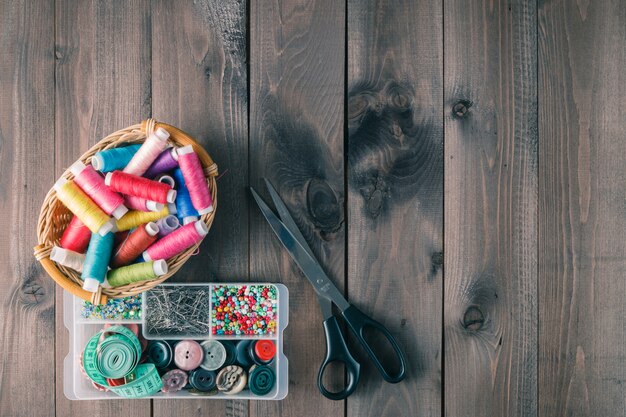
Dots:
pixel 262 352
pixel 214 355
pixel 160 354
pixel 232 379
pixel 188 355
pixel 202 380
pixel 261 379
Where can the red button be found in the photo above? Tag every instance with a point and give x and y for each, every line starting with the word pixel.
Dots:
pixel 265 350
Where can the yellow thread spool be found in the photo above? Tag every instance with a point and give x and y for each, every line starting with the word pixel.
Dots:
pixel 135 218
pixel 83 207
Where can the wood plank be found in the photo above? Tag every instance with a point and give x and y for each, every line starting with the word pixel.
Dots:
pixel 103 84
pixel 490 299
pixel 395 194
pixel 200 85
pixel 582 85
pixel 27 138
pixel 296 140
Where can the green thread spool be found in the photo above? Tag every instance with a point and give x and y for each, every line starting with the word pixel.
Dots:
pixel 136 272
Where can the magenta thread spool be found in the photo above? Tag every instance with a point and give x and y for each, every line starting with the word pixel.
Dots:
pixel 93 185
pixel 194 179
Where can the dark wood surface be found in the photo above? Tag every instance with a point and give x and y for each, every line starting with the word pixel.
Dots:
pixel 458 167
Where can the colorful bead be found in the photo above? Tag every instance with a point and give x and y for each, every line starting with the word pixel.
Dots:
pixel 127 308
pixel 243 309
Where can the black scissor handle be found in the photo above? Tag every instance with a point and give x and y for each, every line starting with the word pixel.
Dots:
pixel 337 351
pixel 358 322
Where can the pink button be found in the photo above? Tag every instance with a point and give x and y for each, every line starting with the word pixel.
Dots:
pixel 188 355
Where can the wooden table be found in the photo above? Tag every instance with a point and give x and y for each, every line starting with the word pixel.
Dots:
pixel 486 136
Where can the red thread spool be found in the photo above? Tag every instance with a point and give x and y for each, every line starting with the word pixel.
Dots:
pixel 134 185
pixel 134 245
pixel 76 236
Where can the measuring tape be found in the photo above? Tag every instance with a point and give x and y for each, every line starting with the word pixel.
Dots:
pixel 117 356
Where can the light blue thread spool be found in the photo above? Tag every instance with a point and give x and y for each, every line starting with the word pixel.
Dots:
pixel 97 261
pixel 114 159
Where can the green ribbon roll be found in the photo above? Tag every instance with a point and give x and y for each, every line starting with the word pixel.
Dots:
pixel 117 356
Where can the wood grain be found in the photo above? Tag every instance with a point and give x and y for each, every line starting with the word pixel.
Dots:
pixel 102 85
pixel 296 140
pixel 200 85
pixel 490 292
pixel 395 194
pixel 582 172
pixel 26 133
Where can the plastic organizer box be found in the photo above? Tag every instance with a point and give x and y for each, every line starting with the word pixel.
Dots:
pixel 78 387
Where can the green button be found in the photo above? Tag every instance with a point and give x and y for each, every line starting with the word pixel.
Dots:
pixel 261 380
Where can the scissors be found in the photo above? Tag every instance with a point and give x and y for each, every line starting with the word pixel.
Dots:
pixel 328 294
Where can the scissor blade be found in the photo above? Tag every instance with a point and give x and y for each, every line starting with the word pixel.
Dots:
pixel 309 265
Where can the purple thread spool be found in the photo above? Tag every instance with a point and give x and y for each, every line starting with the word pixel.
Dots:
pixel 167 225
pixel 166 161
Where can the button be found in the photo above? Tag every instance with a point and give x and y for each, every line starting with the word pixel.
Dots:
pixel 174 380
pixel 188 355
pixel 263 351
pixel 231 352
pixel 243 356
pixel 261 379
pixel 232 379
pixel 160 354
pixel 214 355
pixel 202 380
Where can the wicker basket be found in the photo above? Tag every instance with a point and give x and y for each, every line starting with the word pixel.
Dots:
pixel 55 217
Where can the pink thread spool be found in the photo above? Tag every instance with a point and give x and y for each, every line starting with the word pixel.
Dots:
pixel 148 153
pixel 177 241
pixel 196 183
pixel 93 185
pixel 141 204
pixel 134 185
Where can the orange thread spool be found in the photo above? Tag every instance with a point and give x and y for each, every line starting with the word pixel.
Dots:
pixel 134 245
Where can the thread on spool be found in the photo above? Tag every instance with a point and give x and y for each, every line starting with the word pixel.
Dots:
pixel 148 152
pixel 166 161
pixel 114 159
pixel 184 206
pixel 194 179
pixel 97 261
pixel 119 238
pixel 93 185
pixel 68 258
pixel 134 218
pixel 177 241
pixel 136 273
pixel 82 206
pixel 167 225
pixel 141 204
pixel 134 185
pixel 166 179
pixel 134 245
pixel 76 236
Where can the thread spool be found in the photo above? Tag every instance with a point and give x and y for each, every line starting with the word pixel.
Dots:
pixel 148 152
pixel 83 207
pixel 184 206
pixel 172 208
pixel 166 161
pixel 93 185
pixel 97 261
pixel 130 184
pixel 177 241
pixel 76 236
pixel 141 204
pixel 194 179
pixel 136 242
pixel 166 225
pixel 134 218
pixel 166 179
pixel 68 258
pixel 135 273
pixel 114 159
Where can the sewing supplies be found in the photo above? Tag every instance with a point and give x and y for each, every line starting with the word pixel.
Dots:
pixel 97 261
pixel 167 225
pixel 188 355
pixel 243 309
pixel 166 179
pixel 138 272
pixel 174 380
pixel 127 308
pixel 203 380
pixel 152 147
pixel 134 218
pixel 160 353
pixel 177 241
pixel 135 243
pixel 166 161
pixel 261 379
pixel 68 258
pixel 83 207
pixel 93 185
pixel 214 355
pixel 336 348
pixel 232 380
pixel 184 206
pixel 111 359
pixel 76 236
pixel 134 185
pixel 114 158
pixel 195 180
pixel 262 352
pixel 243 353
pixel 141 204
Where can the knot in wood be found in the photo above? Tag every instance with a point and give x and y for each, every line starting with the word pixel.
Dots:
pixel 461 108
pixel 473 319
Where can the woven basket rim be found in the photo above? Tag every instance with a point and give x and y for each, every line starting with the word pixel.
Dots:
pixel 69 279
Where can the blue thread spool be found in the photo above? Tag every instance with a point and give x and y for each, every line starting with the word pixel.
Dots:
pixel 114 159
pixel 184 207
pixel 97 261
